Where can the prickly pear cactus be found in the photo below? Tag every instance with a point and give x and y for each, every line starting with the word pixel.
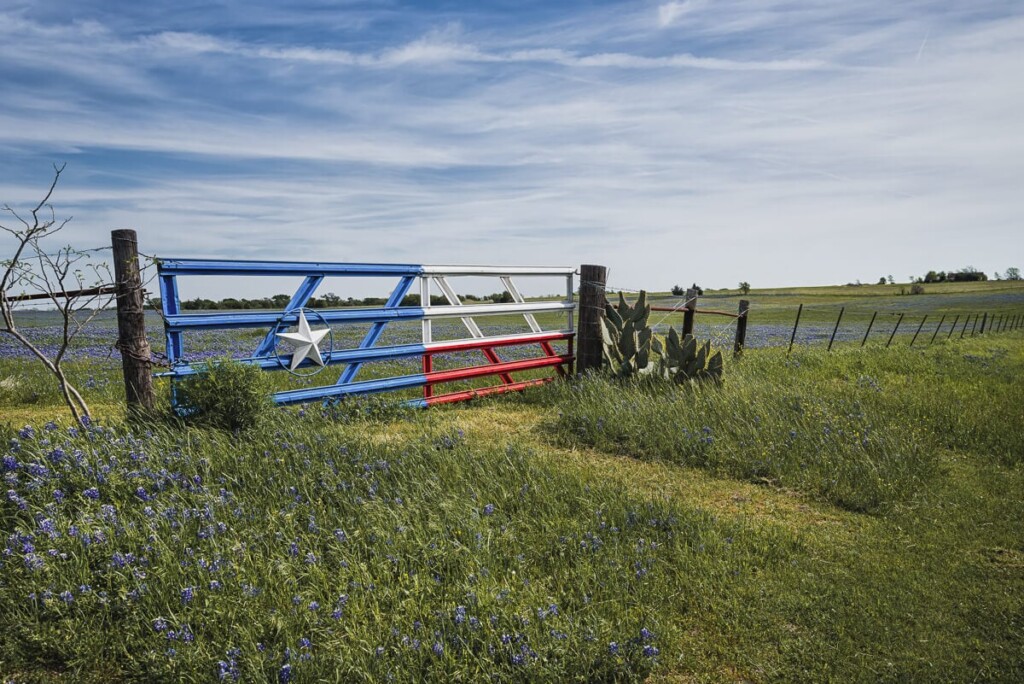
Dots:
pixel 684 360
pixel 630 347
pixel 627 337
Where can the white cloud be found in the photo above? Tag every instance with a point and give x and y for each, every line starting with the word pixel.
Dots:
pixel 669 12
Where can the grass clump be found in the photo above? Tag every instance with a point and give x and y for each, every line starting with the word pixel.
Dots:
pixel 861 431
pixel 227 394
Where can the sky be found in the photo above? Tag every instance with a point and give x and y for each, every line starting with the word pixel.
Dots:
pixel 771 141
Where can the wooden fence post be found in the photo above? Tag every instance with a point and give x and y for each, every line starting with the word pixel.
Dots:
pixel 894 330
pixel 592 299
pixel 836 329
pixel 689 311
pixel 914 338
pixel 952 328
pixel 966 321
pixel 741 328
pixel 870 323
pixel 797 323
pixel 938 328
pixel 984 320
pixel 131 322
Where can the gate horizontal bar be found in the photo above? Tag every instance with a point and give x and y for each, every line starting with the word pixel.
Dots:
pixel 438 377
pixel 402 351
pixel 265 319
pixel 282 268
pixel 302 396
pixel 227 267
pixel 499 270
pixel 465 395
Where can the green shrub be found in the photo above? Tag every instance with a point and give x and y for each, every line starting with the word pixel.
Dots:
pixel 228 394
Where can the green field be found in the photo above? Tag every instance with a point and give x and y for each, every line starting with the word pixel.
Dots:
pixel 843 516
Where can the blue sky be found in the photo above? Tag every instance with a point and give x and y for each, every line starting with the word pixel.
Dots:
pixel 778 142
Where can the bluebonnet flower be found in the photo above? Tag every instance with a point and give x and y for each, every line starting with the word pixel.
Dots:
pixel 10 463
pixel 66 597
pixel 13 497
pixel 489 509
pixel 646 635
pixel 56 456
pixel 651 651
pixel 187 594
pixel 305 643
pixel 613 648
pixel 58 496
pixel 437 649
pixel 27 432
pixel 37 470
pixel 314 606
pixel 215 585
pixel 160 625
pixel 92 493
pixel 47 527
pixel 284 675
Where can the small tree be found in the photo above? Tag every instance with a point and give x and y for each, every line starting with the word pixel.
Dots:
pixel 678 291
pixel 1012 273
pixel 881 281
pixel 744 287
pixel 65 278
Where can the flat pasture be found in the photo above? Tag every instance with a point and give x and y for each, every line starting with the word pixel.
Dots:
pixel 843 516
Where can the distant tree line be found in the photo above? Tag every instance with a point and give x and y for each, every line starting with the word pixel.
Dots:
pixel 964 275
pixel 328 301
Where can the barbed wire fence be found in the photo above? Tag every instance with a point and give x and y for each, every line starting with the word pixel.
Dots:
pixel 828 324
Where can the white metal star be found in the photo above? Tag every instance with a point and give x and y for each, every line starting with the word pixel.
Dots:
pixel 305 342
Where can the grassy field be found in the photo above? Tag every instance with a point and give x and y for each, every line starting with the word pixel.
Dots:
pixel 852 516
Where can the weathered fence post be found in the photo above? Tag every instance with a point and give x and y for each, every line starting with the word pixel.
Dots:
pixel 938 328
pixel 914 338
pixel 952 328
pixel 870 323
pixel 836 329
pixel 984 320
pixel 131 322
pixel 966 321
pixel 592 299
pixel 689 311
pixel 741 327
pixel 894 330
pixel 797 323
pixel 974 325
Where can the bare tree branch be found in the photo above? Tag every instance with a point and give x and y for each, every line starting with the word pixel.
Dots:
pixel 51 277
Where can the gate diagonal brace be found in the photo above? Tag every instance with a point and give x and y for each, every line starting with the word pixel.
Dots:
pixel 471 326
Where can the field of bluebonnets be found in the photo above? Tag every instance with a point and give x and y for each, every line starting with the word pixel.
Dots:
pixel 843 516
